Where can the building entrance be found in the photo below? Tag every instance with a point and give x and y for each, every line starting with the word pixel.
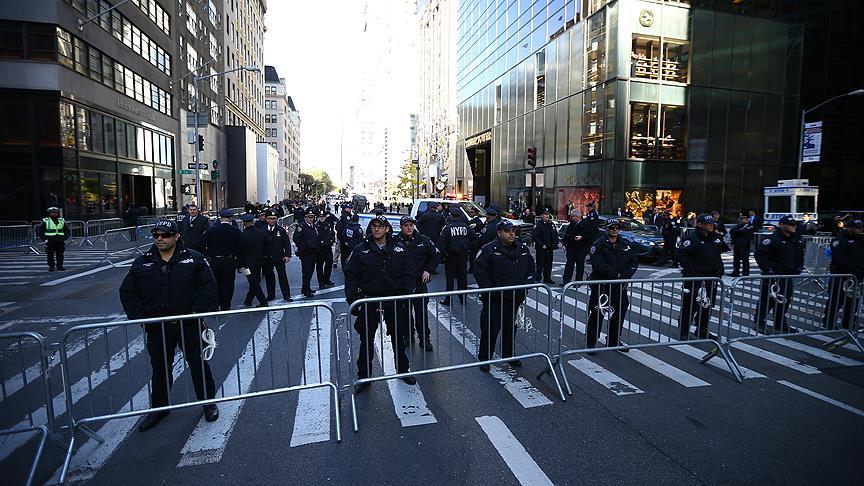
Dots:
pixel 480 160
pixel 137 190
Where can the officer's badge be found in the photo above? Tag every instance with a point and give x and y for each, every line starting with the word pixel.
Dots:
pixel 717 241
pixel 593 249
pixel 766 241
pixel 835 243
pixel 686 243
pixel 398 249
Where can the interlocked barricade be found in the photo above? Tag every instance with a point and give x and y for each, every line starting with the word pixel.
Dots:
pixel 127 368
pixel 640 313
pixel 17 236
pixel 781 306
pixel 26 395
pixel 126 242
pixel 459 339
pixel 95 228
pixel 817 254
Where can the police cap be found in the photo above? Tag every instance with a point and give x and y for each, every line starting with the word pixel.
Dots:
pixel 166 226
pixel 247 217
pixel 270 213
pixel 53 209
pixel 455 211
pixel 705 218
pixel 788 219
pixel 225 213
pixel 492 211
pixel 407 219
pixel 504 224
pixel 381 220
pixel 855 223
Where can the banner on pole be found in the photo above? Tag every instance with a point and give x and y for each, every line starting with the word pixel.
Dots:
pixel 812 142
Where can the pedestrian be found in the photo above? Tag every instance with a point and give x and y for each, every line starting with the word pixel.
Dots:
pixel 490 230
pixel 171 280
pixel 252 259
pixel 779 253
pixel 612 258
pixel 456 244
pixel 431 222
pixel 324 259
pixel 700 255
pixel 54 233
pixel 504 262
pixel 222 243
pixel 847 257
pixel 130 220
pixel 380 267
pixel 277 253
pixel 670 230
pixel 528 216
pixel 424 259
pixel 754 220
pixel 720 226
pixel 261 220
pixel 308 244
pixel 192 228
pixel 341 225
pixel 545 243
pixel 742 239
pixel 577 241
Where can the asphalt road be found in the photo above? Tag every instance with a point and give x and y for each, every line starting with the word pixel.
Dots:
pixel 649 416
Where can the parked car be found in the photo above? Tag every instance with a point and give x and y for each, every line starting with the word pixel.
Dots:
pixel 647 241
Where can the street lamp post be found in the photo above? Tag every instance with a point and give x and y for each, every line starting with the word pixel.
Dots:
pixel 857 92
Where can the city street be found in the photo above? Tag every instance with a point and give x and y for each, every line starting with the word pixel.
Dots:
pixel 649 416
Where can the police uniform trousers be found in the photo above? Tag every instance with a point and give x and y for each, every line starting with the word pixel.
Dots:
pixel 741 258
pixel 498 314
pixel 224 269
pixel 838 298
pixel 344 253
pixel 669 248
pixel 307 266
pixel 575 258
pixel 455 269
pixel 54 250
pixel 162 339
pixel 767 304
pixel 691 308
pixel 254 279
pixel 270 279
pixel 544 265
pixel 419 314
pixel 395 314
pixel 324 265
pixel 618 300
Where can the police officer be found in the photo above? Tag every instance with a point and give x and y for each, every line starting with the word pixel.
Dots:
pixel 577 241
pixel 503 262
pixel 700 255
pixel 252 259
pixel 171 280
pixel 431 222
pixel 780 253
pixel 424 259
pixel 352 235
pixel 847 257
pixel 308 244
pixel 344 220
pixel 720 227
pixel 490 231
pixel 742 238
pixel 612 258
pixel 261 221
pixel 53 231
pixel 324 259
pixel 277 253
pixel 380 267
pixel 670 230
pixel 477 225
pixel 222 244
pixel 545 242
pixel 456 244
pixel 192 228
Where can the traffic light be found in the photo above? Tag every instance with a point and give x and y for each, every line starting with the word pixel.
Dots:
pixel 200 143
pixel 532 156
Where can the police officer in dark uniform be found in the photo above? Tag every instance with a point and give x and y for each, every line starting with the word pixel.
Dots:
pixel 277 253
pixel 261 221
pixel 545 242
pixel 252 259
pixel 171 280
pixel 352 236
pixel 490 230
pixel 847 257
pixel 344 220
pixel 780 253
pixel 380 267
pixel 612 258
pixel 577 241
pixel 700 255
pixel 477 225
pixel 456 244
pixel 308 244
pixel 192 228
pixel 431 222
pixel 670 231
pixel 222 244
pixel 503 262
pixel 324 260
pixel 53 230
pixel 424 258
pixel 742 239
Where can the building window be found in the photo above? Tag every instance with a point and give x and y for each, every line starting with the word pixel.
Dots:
pixel 11 40
pixel 643 130
pixel 540 79
pixel 673 131
pixel 676 56
pixel 40 42
pixel 67 125
pixel 645 58
pixel 653 128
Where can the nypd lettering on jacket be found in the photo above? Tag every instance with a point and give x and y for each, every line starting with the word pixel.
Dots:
pixel 458 231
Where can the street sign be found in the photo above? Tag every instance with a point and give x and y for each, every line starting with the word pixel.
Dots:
pixel 184 171
pixel 201 165
pixel 203 121
pixel 214 174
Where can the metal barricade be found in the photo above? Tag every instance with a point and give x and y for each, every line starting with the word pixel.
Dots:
pixel 457 339
pixel 641 313
pixel 17 236
pixel 256 353
pixel 817 254
pixel 26 395
pixel 74 228
pixel 125 242
pixel 797 306
pixel 95 228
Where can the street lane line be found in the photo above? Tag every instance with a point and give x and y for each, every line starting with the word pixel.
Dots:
pixel 819 353
pixel 408 400
pixel 601 375
pixel 665 369
pixel 521 464
pixel 776 358
pixel 83 274
pixel 312 417
pixel 521 389
pixel 825 399
pixel 207 442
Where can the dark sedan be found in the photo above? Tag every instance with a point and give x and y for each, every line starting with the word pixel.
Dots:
pixel 647 241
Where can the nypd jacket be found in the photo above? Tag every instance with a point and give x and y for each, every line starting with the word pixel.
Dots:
pixel 477 225
pixel 307 240
pixel 156 288
pixel 192 229
pixel 490 232
pixel 352 235
pixel 457 239
pixel 670 229
pixel 612 261
pixel 277 245
pixel 377 272
pixel 742 235
pixel 325 233
pixel 544 234
pixel 430 224
pixel 252 248
pixel 222 239
pixel 343 223
pixel 778 254
pixel 498 265
pixel 847 255
pixel 700 255
pixel 583 228
pixel 424 255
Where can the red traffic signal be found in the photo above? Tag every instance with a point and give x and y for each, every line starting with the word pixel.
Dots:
pixel 532 156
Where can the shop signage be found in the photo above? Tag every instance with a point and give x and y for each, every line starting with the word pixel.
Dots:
pixel 812 141
pixel 134 109
pixel 478 139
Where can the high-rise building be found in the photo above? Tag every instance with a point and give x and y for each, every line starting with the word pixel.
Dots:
pixel 244 47
pixel 282 132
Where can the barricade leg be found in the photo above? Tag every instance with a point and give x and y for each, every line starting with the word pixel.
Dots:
pixel 43 439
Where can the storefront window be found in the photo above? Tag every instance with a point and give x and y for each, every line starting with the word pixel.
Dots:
pixel 120 129
pixel 645 57
pixel 676 58
pixel 576 198
pixel 96 135
pixel 159 193
pixel 131 142
pixel 109 192
pixel 637 201
pixel 67 125
pixel 90 193
pixel 643 130
pixel 70 182
pixel 673 130
pixel 669 200
pixel 110 147
pixel 83 129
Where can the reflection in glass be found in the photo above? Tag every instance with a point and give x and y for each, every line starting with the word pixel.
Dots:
pixel 673 128
pixel 109 192
pixel 643 130
pixel 70 181
pixel 67 125
pixel 645 57
pixel 90 193
pixel 83 129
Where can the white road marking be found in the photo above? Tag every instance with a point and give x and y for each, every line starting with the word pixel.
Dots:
pixel 717 361
pixel 312 417
pixel 408 400
pixel 18 277
pixel 825 399
pixel 601 375
pixel 318 292
pixel 819 353
pixel 828 339
pixel 207 442
pixel 665 369
pixel 521 389
pixel 776 358
pixel 521 464
pixel 83 274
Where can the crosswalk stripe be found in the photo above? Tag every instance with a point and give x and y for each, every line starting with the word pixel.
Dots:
pixel 716 361
pixel 521 464
pixel 18 277
pixel 776 358
pixel 408 400
pixel 521 389
pixel 828 339
pixel 819 353
pixel 825 399
pixel 665 369
pixel 601 375
pixel 312 416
